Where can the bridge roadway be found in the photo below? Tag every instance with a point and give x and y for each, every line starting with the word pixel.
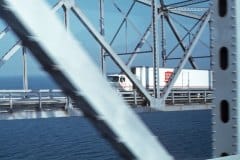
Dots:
pixel 21 104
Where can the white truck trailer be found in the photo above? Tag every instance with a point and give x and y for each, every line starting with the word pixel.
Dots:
pixel 187 79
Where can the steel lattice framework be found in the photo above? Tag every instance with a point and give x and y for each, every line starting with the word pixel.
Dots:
pixel 164 21
pixel 20 15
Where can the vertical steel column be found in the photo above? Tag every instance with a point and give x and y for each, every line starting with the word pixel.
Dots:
pixel 155 49
pixel 102 32
pixel 25 75
pixel 163 42
pixel 226 66
pixel 66 17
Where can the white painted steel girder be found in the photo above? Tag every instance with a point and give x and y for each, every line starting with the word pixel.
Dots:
pixel 68 63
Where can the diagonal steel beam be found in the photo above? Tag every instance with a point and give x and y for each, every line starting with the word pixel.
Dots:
pixel 185 14
pixel 49 43
pixel 127 19
pixel 123 21
pixel 189 30
pixel 110 51
pixel 4 32
pixel 186 3
pixel 168 87
pixel 58 5
pixel 176 34
pixel 139 45
pixel 189 9
pixel 10 53
pixel 145 2
pixel 18 45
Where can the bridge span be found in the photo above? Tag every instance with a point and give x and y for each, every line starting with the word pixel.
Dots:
pixel 100 109
pixel 44 103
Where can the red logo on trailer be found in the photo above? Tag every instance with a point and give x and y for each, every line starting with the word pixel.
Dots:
pixel 168 74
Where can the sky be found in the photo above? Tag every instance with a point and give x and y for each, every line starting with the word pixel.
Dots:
pixel 139 18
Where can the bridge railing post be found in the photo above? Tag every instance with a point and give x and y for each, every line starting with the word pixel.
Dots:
pixel 135 96
pixel 40 99
pixel 189 97
pixel 205 96
pixel 10 102
pixel 173 95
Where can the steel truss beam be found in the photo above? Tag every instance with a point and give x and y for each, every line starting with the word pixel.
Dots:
pixel 18 44
pixel 186 3
pixel 4 32
pixel 176 34
pixel 58 5
pixel 189 9
pixel 145 2
pixel 225 45
pixel 183 11
pixel 10 53
pixel 185 14
pixel 76 10
pixel 124 19
pixel 139 45
pixel 155 48
pixel 49 43
pixel 188 52
pixel 102 32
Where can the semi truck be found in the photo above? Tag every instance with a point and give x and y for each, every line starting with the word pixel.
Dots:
pixel 187 79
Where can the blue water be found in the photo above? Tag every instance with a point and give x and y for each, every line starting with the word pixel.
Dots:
pixel 186 135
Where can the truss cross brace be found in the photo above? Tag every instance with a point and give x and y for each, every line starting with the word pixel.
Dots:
pixel 49 43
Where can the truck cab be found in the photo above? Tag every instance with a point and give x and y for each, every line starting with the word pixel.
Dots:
pixel 120 81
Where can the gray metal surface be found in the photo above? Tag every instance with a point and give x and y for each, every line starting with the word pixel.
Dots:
pixel 127 131
pixel 155 50
pixel 226 65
